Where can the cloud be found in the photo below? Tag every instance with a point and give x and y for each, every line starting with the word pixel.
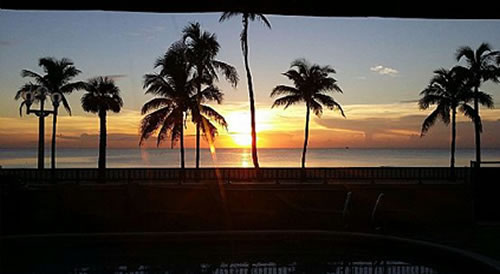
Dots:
pixel 116 76
pixel 5 43
pixel 384 70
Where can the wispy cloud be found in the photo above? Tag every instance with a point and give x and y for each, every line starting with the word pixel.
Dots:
pixel 382 70
pixel 147 33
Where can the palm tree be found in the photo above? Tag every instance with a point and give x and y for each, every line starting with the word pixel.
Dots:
pixel 37 94
pixel 202 50
pixel 102 96
pixel 246 16
pixel 312 83
pixel 177 97
pixel 481 68
pixel 58 74
pixel 448 90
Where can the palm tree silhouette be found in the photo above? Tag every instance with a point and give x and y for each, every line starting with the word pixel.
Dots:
pixel 311 85
pixel 58 74
pixel 102 96
pixel 176 89
pixel 202 50
pixel 481 68
pixel 35 90
pixel 448 90
pixel 246 16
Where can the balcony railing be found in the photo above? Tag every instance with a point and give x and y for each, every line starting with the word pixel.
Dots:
pixel 240 175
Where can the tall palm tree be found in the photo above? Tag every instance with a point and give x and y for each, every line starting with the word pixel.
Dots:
pixel 57 77
pixel 449 90
pixel 102 96
pixel 201 53
pixel 245 18
pixel 312 83
pixel 481 68
pixel 175 88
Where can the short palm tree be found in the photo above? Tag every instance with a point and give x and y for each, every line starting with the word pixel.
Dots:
pixel 245 18
pixel 58 74
pixel 102 96
pixel 312 83
pixel 448 90
pixel 176 94
pixel 37 94
pixel 201 53
pixel 481 67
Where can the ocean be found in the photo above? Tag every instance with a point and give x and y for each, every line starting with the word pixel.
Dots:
pixel 241 157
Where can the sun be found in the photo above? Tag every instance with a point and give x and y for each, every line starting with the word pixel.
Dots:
pixel 243 140
pixel 239 126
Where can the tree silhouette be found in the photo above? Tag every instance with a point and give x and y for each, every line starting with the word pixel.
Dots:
pixel 202 49
pixel 102 96
pixel 481 68
pixel 57 77
pixel 175 88
pixel 246 16
pixel 448 90
pixel 312 83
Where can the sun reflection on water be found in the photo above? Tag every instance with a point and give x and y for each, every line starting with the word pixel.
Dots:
pixel 245 158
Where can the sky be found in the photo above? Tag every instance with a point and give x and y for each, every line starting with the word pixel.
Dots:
pixel 381 65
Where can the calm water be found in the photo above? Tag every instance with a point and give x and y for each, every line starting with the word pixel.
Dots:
pixel 163 157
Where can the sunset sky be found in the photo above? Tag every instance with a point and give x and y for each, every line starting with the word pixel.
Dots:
pixel 381 64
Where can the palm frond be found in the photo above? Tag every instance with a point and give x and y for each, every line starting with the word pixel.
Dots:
pixel 151 122
pixel 90 103
pixel 65 104
pixel 102 95
pixel 329 102
pixel 282 90
pixel 28 73
pixel 209 130
pixel 229 72
pixel 157 85
pixel 315 107
pixel 484 99
pixel 68 88
pixel 175 118
pixel 227 15
pixel 263 19
pixel 483 48
pixel 21 108
pixel 156 103
pixel 212 93
pixel 472 114
pixel 466 52
pixel 429 122
pixel 430 99
pixel 287 101
pixel 213 115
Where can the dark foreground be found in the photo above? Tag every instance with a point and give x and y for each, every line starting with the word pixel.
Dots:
pixel 131 218
pixel 234 252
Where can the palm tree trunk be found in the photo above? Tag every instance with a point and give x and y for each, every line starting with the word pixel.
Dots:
pixel 477 129
pixel 41 136
pixel 200 72
pixel 244 45
pixel 453 138
pixel 102 141
pixel 182 145
pixel 306 137
pixel 53 146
